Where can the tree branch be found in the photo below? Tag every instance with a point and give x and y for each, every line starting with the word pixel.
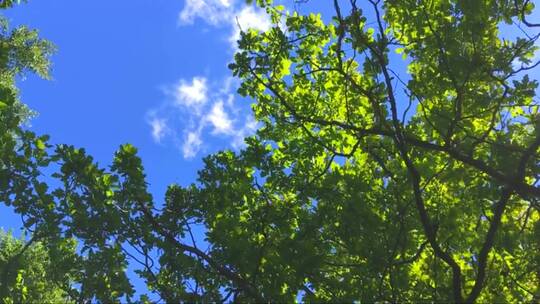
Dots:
pixel 222 270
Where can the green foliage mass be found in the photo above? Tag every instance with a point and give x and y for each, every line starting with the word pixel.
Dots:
pixel 364 183
pixel 29 273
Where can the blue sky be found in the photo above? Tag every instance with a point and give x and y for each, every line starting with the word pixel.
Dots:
pixel 152 73
pixel 123 67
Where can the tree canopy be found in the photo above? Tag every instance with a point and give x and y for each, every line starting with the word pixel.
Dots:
pixel 29 273
pixel 397 161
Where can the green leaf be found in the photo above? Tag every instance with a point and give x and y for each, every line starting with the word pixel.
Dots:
pixel 40 144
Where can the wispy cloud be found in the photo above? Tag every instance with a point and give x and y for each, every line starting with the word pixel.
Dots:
pixel 205 109
pixel 159 128
pixel 193 94
pixel 220 120
pixel 224 13
pixel 192 144
pixel 204 112
pixel 248 17
pixel 249 128
pixel 212 11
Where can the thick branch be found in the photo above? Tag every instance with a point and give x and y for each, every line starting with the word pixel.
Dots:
pixel 488 244
pixel 496 220
pixel 399 139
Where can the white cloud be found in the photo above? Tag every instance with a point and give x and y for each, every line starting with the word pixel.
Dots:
pixel 202 108
pixel 226 3
pixel 228 85
pixel 249 128
pixel 213 12
pixel 223 13
pixel 251 124
pixel 192 144
pixel 205 111
pixel 220 119
pixel 159 128
pixel 202 119
pixel 248 17
pixel 192 94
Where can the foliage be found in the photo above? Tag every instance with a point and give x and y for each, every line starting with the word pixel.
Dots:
pixel 431 192
pixel 364 183
pixel 29 274
pixel 8 3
